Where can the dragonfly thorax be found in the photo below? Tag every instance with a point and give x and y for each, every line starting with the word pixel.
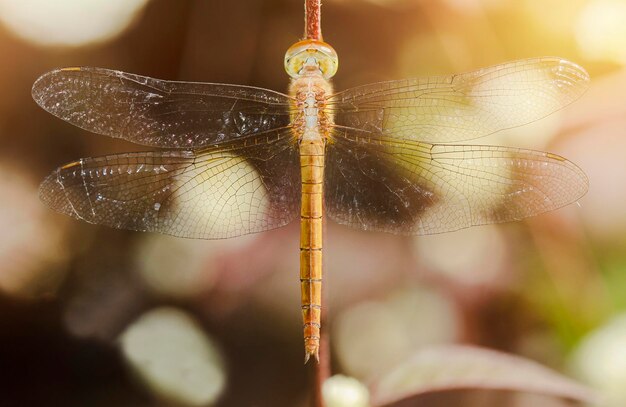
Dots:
pixel 310 57
pixel 311 117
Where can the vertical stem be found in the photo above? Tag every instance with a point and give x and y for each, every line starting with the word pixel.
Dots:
pixel 312 17
pixel 321 369
pixel 316 393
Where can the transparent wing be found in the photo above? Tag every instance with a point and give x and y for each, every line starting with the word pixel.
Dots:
pixel 159 113
pixel 414 188
pixel 212 193
pixel 462 107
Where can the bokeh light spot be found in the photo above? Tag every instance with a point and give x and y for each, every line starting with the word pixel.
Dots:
pixel 68 22
pixel 479 258
pixel 175 267
pixel 343 391
pixel 175 359
pixel 396 327
pixel 33 246
pixel 600 360
pixel 601 32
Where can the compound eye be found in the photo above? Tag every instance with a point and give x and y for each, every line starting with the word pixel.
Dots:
pixel 310 53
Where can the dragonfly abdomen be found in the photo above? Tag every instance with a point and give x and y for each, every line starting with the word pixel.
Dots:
pixel 311 121
pixel 311 217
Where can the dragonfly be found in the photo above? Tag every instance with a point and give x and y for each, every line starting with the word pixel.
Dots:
pixel 230 160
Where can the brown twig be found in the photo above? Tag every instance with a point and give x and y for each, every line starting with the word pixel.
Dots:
pixel 321 369
pixel 312 20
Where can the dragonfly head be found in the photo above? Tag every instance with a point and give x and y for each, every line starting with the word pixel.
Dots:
pixel 309 56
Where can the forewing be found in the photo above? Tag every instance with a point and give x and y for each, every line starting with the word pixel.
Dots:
pixel 213 193
pixel 153 112
pixel 462 107
pixel 414 188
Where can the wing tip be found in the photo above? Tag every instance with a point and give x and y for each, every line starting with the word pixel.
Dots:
pixel 48 191
pixel 577 182
pixel 57 196
pixel 579 185
pixel 583 181
pixel 41 85
pixel 38 88
pixel 52 192
pixel 560 67
pixel 573 74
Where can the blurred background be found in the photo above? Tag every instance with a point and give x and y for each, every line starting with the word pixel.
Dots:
pixel 101 317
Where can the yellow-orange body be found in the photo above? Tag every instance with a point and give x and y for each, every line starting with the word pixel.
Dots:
pixel 311 125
